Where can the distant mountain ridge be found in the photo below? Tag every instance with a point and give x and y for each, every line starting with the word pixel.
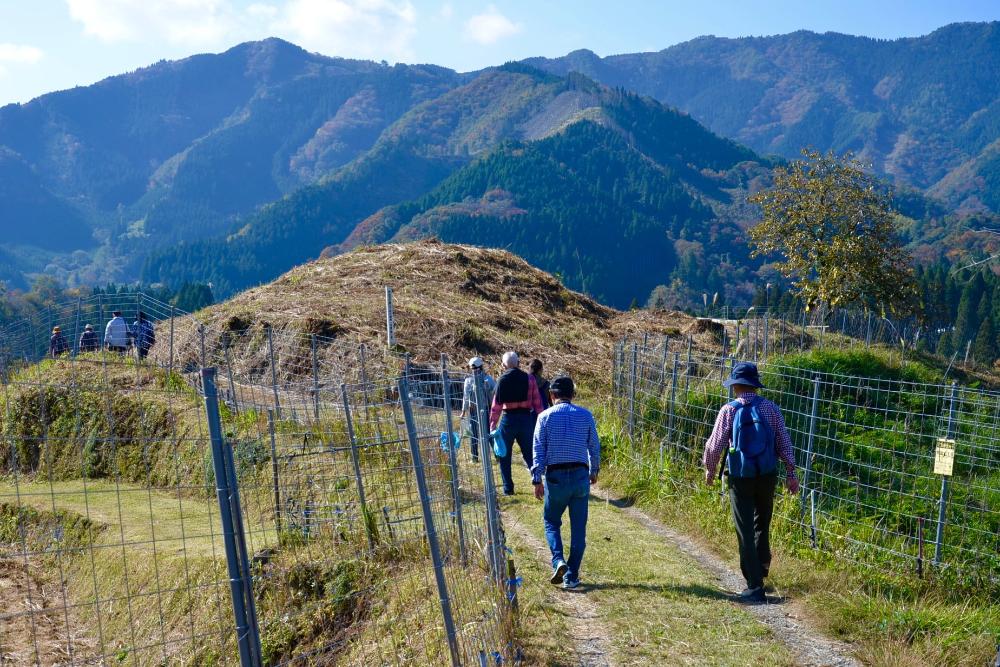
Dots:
pixel 233 167
pixel 504 160
pixel 923 110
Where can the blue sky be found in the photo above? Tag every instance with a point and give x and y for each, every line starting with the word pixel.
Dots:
pixel 49 45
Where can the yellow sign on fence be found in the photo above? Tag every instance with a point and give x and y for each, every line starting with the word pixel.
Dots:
pixel 944 456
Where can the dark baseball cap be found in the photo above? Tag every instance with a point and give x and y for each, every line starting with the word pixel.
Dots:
pixel 563 387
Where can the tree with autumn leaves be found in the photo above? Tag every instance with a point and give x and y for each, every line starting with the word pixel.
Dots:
pixel 833 226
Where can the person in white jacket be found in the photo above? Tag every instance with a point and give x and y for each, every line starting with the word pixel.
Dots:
pixel 116 334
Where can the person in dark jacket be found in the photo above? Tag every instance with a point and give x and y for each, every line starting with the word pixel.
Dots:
pixel 144 334
pixel 543 384
pixel 89 340
pixel 57 343
pixel 516 403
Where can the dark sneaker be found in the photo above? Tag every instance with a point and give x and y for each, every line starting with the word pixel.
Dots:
pixel 508 493
pixel 558 573
pixel 753 595
pixel 570 584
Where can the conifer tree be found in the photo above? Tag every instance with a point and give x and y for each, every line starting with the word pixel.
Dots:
pixel 985 348
pixel 965 323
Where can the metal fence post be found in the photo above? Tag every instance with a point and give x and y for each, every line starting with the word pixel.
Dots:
pixel 356 462
pixel 663 365
pixel 943 500
pixel 241 549
pixel 631 394
pixel 274 371
pixel 766 329
pixel 100 319
pixel 489 489
pixel 170 361
pixel 807 464
pixel 364 374
pixel 229 374
pixel 201 336
pixel 76 330
pixel 812 518
pixel 452 457
pixel 315 370
pixel 274 471
pixel 432 538
pixel 223 493
pixel 687 369
pixel 614 371
pixel 390 320
pixel 673 401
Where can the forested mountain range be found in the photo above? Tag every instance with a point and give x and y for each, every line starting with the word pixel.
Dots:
pixel 181 150
pixel 231 168
pixel 580 179
pixel 925 110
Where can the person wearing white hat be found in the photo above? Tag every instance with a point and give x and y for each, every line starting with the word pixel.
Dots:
pixel 469 406
pixel 515 405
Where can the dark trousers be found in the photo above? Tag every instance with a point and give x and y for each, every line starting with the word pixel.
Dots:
pixel 475 437
pixel 520 427
pixel 752 502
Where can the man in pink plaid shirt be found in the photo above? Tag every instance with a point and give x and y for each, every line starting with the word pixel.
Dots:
pixel 751 490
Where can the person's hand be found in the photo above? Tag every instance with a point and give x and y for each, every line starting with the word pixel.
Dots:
pixel 709 477
pixel 539 491
pixel 792 484
pixel 593 478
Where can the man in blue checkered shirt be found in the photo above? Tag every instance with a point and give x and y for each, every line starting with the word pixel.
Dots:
pixel 567 452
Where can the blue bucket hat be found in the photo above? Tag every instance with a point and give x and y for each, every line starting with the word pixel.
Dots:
pixel 744 373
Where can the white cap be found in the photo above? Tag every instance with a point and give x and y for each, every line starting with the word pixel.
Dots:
pixel 476 362
pixel 510 359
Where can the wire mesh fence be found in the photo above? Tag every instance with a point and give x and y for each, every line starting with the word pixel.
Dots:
pixel 301 501
pixel 873 454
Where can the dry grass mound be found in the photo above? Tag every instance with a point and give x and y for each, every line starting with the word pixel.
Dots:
pixel 456 299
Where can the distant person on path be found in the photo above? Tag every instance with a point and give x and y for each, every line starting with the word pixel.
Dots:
pixel 752 431
pixel 116 334
pixel 515 406
pixel 568 455
pixel 57 343
pixel 89 342
pixel 470 403
pixel 145 335
pixel 543 384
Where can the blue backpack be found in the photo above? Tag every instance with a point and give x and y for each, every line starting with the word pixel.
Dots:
pixel 752 450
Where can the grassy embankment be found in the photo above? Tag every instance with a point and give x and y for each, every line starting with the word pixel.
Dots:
pixel 864 595
pixel 108 487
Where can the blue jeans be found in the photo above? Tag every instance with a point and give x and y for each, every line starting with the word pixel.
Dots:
pixel 519 426
pixel 568 488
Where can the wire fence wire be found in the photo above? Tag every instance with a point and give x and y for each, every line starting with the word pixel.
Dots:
pixel 865 450
pixel 330 512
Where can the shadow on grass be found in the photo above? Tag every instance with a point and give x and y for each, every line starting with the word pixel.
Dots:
pixel 688 590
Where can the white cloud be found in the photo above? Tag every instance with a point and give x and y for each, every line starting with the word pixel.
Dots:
pixel 185 22
pixel 17 54
pixel 262 10
pixel 376 29
pixel 490 27
pixel 446 11
pixel 358 28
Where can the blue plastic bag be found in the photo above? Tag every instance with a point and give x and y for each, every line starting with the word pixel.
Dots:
pixel 456 437
pixel 499 446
